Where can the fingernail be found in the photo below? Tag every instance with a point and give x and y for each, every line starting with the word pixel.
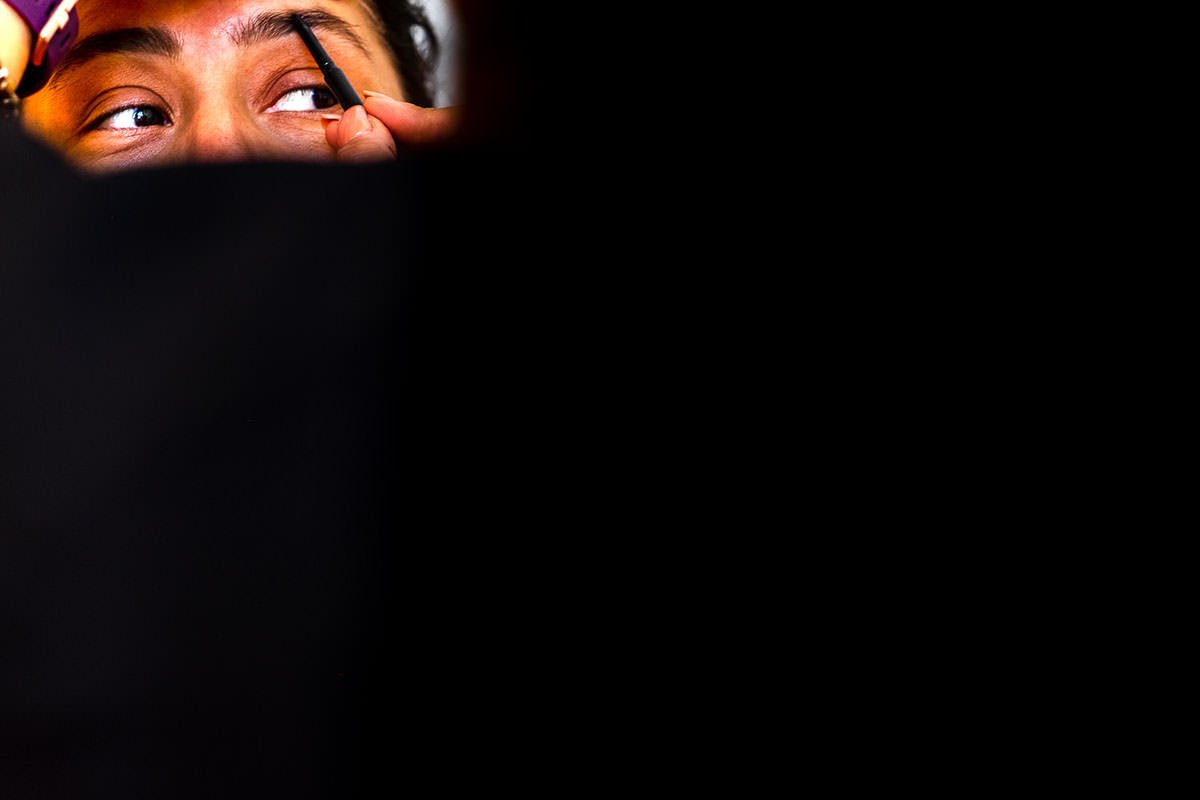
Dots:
pixel 377 94
pixel 332 117
pixel 355 123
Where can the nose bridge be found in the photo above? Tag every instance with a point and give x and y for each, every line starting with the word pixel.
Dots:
pixel 222 130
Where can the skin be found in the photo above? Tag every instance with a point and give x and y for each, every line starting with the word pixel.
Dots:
pixel 217 101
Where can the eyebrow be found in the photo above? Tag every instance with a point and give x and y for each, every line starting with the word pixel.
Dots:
pixel 150 41
pixel 157 41
pixel 278 24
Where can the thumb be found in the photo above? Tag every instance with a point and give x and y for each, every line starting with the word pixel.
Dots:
pixel 357 136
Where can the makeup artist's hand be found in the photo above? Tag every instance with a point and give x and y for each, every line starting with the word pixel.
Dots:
pixel 374 133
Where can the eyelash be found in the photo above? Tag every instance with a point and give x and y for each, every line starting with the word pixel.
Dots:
pixel 309 88
pixel 168 121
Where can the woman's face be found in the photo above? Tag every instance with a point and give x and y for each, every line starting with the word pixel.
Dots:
pixel 168 81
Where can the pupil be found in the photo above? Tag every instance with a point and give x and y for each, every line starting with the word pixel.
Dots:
pixel 145 117
pixel 323 98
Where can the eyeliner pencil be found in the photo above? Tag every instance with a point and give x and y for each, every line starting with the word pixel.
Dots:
pixel 334 77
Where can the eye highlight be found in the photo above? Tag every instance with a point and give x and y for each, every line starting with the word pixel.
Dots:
pixel 131 118
pixel 308 98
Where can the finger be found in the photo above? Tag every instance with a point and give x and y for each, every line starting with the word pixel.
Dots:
pixel 409 123
pixel 356 136
pixel 330 121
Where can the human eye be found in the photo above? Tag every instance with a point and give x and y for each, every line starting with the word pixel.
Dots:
pixel 308 98
pixel 132 117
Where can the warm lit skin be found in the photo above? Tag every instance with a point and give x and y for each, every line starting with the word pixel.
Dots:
pixel 216 100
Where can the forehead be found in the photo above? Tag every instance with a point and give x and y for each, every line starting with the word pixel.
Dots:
pixel 205 16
